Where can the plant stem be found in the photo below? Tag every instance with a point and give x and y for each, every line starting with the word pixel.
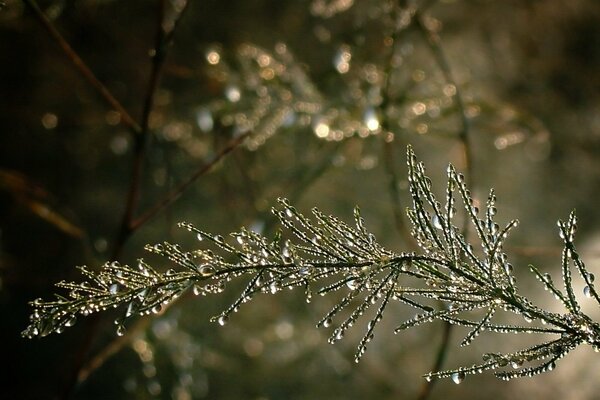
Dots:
pixel 83 69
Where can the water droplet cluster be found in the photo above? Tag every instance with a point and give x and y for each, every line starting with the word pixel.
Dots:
pixel 325 255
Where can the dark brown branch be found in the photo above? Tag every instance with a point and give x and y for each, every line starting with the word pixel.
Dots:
pixel 162 41
pixel 82 67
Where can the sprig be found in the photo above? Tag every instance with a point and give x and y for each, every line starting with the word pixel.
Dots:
pixel 325 255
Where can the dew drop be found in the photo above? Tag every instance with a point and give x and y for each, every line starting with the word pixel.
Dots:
pixel 352 284
pixel 120 330
pixel 71 321
pixel 458 377
pixel 197 289
pixel 327 323
pixel 587 292
pixel 222 320
pixel 199 237
pixel 113 289
pixel 436 222
pixel 206 270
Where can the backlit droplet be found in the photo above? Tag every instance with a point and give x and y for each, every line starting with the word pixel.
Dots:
pixel 199 237
pixel 120 330
pixel 327 323
pixel 458 377
pixel 352 284
pixel 436 222
pixel 587 292
pixel 206 270
pixel 71 321
pixel 222 320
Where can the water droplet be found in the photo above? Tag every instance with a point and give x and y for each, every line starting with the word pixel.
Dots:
pixel 587 292
pixel 352 284
pixel 199 237
pixel 156 309
pixel 436 222
pixel 197 289
pixel 71 320
pixel 218 239
pixel 458 377
pixel 516 363
pixel 113 289
pixel 222 320
pixel 327 323
pixel 273 287
pixel 206 270
pixel 590 277
pixel 120 330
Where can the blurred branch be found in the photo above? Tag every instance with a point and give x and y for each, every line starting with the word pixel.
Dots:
pixel 388 147
pixel 174 194
pixel 162 41
pixel 82 67
pixel 433 40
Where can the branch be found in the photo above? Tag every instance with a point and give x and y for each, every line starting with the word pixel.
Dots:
pixel 83 69
pixel 174 194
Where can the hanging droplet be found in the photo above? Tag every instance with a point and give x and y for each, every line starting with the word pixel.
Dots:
pixel 327 323
pixel 113 289
pixel 197 289
pixel 156 309
pixel 352 284
pixel 222 320
pixel 199 237
pixel 206 270
pixel 587 292
pixel 436 222
pixel 458 377
pixel 120 330
pixel 71 320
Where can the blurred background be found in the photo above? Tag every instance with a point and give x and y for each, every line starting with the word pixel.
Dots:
pixel 330 92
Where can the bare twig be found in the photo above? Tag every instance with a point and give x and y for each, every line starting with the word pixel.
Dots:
pixel 174 194
pixel 162 41
pixel 82 67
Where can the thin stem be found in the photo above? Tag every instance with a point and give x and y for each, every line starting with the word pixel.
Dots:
pixel 433 40
pixel 174 194
pixel 162 41
pixel 83 69
pixel 141 140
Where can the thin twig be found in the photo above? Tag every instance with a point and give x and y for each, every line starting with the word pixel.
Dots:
pixel 433 40
pixel 82 67
pixel 162 41
pixel 174 194
pixel 141 140
pixel 111 349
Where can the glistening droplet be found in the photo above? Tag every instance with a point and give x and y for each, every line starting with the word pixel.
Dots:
pixel 458 377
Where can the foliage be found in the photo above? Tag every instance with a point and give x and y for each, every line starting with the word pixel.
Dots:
pixel 327 255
